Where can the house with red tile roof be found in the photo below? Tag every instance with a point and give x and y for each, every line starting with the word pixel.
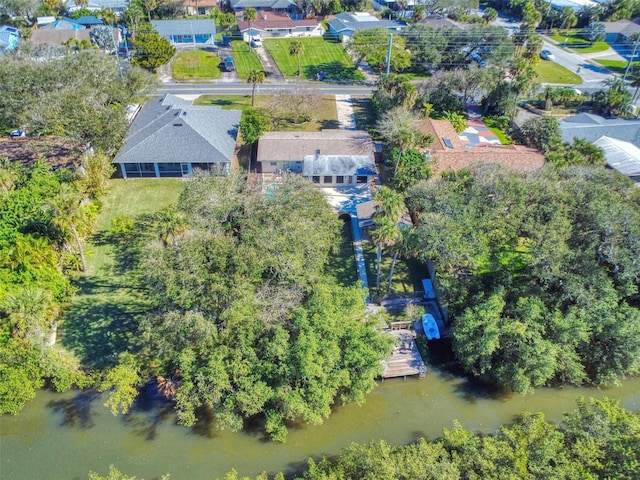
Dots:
pixel 449 152
pixel 278 24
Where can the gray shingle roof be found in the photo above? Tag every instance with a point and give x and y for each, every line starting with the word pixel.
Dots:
pixel 184 27
pixel 354 22
pixel 274 4
pixel 172 130
pixel 591 127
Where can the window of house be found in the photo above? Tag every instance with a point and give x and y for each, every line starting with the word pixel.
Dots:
pixel 361 179
pixel 274 164
pixel 327 179
pixel 339 179
pixel 315 179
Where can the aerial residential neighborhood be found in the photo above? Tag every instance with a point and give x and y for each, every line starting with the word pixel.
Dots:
pixel 308 240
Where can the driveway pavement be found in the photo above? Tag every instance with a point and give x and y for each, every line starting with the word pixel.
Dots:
pixel 272 71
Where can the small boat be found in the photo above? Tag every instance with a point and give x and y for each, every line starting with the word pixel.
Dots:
pixel 430 327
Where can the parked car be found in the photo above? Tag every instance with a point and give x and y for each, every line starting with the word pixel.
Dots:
pixel 256 42
pixel 229 66
pixel 226 41
pixel 547 55
pixel 17 133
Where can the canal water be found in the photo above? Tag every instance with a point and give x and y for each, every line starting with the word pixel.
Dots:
pixel 64 436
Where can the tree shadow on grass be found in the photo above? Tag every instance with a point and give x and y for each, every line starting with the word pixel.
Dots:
pixel 99 327
pixel 333 72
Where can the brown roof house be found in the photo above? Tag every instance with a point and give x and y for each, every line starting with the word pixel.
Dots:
pixel 329 158
pixel 277 24
pixel 450 153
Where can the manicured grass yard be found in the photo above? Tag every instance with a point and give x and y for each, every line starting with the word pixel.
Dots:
pixel 580 44
pixel 100 321
pixel 317 53
pixel 326 116
pixel 245 58
pixel 551 72
pixel 617 66
pixel 195 64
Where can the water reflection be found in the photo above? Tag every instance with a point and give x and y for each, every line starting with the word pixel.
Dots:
pixel 62 436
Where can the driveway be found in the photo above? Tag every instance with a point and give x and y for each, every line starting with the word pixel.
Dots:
pixel 272 71
pixel 227 77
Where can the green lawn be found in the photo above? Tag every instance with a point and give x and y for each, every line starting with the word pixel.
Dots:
pixel 101 319
pixel 364 113
pixel 551 72
pixel 580 44
pixel 342 261
pixel 326 116
pixel 195 64
pixel 617 66
pixel 493 126
pixel 245 58
pixel 318 54
pixel 407 274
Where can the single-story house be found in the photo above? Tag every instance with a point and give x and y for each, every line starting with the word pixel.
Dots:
pixel 621 156
pixel 200 7
pixel 591 127
pixel 448 152
pixel 346 24
pixel 273 5
pixel 277 24
pixel 117 6
pixel 620 31
pixel 9 37
pixel 187 32
pixel 170 137
pixel 328 158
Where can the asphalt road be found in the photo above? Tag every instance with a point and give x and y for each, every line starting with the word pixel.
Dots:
pixel 591 75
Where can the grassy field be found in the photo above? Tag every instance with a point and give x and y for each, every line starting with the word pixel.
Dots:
pixel 551 72
pixel 245 58
pixel 195 64
pixel 101 319
pixel 363 112
pixel 617 66
pixel 326 114
pixel 317 53
pixel 580 44
pixel 492 125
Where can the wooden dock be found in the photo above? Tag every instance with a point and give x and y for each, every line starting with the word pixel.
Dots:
pixel 405 360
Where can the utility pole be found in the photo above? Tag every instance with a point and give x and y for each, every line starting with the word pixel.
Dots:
pixel 389 53
pixel 633 55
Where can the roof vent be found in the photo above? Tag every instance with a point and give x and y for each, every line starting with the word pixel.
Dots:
pixel 318 151
pixel 177 124
pixel 184 114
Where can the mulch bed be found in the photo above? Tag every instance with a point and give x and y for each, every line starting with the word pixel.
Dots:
pixel 59 152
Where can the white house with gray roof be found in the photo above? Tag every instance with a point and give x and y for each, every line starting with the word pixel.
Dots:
pixel 117 6
pixel 328 158
pixel 170 137
pixel 347 24
pixel 186 32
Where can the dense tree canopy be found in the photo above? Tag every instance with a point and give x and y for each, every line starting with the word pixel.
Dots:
pixel 82 97
pixel 247 322
pixel 39 211
pixel 540 272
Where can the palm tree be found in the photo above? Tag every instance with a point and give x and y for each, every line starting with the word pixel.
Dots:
pixel 169 223
pixel 251 15
pixel 404 245
pixel 255 77
pixel 383 234
pixel 296 48
pixel 30 311
pixel 390 204
pixel 397 128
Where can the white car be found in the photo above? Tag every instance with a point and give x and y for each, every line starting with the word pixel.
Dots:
pixel 256 42
pixel 547 55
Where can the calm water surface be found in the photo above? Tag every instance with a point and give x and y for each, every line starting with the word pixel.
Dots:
pixel 64 436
